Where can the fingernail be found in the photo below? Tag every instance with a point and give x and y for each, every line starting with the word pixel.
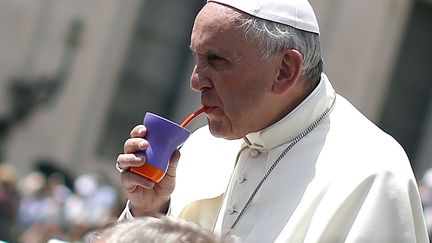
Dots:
pixel 140 159
pixel 142 145
pixel 140 156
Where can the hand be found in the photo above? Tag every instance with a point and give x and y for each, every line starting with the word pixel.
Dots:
pixel 146 197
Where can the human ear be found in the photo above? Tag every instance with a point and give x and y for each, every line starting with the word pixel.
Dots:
pixel 288 72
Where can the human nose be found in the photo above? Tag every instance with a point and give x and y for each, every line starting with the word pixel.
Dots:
pixel 199 79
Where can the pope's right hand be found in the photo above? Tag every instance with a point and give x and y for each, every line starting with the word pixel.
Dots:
pixel 146 197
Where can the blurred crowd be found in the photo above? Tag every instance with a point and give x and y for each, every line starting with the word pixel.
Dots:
pixel 48 203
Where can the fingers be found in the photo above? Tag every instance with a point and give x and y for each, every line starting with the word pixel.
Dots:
pixel 132 182
pixel 138 132
pixel 172 167
pixel 133 145
pixel 129 160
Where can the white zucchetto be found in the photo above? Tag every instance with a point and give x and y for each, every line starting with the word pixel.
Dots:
pixel 296 13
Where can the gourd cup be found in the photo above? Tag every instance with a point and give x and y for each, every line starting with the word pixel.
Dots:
pixel 164 137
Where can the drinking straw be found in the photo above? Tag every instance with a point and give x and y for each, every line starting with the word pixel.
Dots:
pixel 193 116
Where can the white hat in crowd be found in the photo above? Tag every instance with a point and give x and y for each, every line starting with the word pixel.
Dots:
pixel 296 13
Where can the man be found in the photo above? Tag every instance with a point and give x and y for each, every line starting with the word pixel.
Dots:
pixel 293 161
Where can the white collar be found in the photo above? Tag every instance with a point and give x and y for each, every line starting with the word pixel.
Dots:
pixel 296 121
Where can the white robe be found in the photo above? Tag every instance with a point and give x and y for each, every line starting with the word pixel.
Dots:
pixel 346 181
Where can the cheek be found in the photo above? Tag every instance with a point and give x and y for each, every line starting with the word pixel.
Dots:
pixel 232 100
pixel 237 107
pixel 239 92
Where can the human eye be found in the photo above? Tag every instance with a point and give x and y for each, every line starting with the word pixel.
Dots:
pixel 216 61
pixel 212 57
pixel 209 59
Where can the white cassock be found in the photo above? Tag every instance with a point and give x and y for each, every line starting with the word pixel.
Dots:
pixel 345 181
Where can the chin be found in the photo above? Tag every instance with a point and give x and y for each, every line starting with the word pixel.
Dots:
pixel 220 132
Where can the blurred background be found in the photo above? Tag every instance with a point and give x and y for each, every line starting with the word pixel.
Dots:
pixel 76 76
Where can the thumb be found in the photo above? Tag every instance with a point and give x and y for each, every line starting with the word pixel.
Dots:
pixel 172 167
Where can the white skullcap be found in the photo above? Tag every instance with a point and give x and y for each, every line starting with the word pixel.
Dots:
pixel 295 13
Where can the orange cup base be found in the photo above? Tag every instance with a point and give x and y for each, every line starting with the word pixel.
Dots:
pixel 150 172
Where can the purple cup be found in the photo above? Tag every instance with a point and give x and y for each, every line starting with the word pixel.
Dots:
pixel 164 137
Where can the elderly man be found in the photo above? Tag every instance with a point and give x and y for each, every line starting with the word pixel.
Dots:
pixel 293 161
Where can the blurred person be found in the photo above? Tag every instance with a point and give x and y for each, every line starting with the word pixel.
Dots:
pixel 37 203
pixel 39 214
pixel 60 193
pixel 94 201
pixel 91 207
pixel 75 206
pixel 41 232
pixel 9 200
pixel 164 229
pixel 425 188
pixel 58 188
pixel 294 161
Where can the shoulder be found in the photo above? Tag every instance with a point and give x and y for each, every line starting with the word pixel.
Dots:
pixel 356 132
pixel 358 145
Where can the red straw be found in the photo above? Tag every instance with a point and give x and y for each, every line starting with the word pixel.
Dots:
pixel 192 116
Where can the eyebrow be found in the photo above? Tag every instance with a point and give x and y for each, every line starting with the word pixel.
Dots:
pixel 207 51
pixel 215 53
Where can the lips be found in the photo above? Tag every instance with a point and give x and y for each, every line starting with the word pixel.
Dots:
pixel 208 105
pixel 214 112
pixel 208 108
pixel 211 106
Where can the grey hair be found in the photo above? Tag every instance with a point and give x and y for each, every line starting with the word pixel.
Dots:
pixel 163 229
pixel 274 38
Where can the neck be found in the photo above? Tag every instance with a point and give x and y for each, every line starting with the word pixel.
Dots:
pixel 290 101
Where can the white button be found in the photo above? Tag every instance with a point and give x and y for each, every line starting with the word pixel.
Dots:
pixel 231 210
pixel 241 179
pixel 254 153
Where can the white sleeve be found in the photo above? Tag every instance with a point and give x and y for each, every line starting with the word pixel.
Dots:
pixel 126 214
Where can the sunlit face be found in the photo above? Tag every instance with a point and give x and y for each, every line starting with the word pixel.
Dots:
pixel 234 82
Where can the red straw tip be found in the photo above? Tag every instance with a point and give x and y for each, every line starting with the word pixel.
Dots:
pixel 193 116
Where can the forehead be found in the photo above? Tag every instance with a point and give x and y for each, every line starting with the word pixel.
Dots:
pixel 217 25
pixel 215 12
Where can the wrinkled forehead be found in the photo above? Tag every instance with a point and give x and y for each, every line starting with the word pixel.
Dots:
pixel 217 30
pixel 218 16
pixel 216 23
